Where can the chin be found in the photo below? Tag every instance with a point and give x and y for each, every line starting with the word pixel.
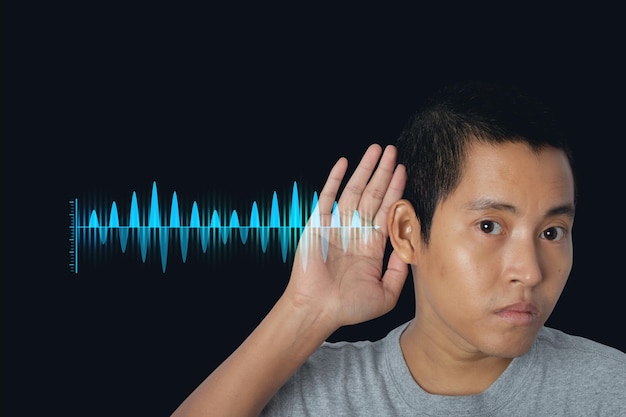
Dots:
pixel 509 346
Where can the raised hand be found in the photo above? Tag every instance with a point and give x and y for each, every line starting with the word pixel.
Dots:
pixel 330 286
pixel 338 271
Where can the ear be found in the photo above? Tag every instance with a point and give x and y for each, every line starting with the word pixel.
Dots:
pixel 404 230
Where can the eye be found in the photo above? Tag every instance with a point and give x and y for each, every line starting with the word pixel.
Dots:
pixel 553 233
pixel 490 227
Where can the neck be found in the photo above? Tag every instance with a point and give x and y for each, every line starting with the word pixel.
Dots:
pixel 440 366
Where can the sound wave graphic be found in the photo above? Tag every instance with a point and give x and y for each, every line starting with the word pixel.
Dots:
pixel 151 227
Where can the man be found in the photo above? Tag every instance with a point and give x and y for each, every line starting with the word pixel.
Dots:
pixel 486 227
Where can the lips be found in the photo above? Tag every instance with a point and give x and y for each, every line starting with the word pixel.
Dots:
pixel 519 314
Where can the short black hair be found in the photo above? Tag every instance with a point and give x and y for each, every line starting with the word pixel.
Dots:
pixel 435 142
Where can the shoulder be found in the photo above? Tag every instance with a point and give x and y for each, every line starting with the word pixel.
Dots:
pixel 347 357
pixel 341 376
pixel 570 347
pixel 578 374
pixel 576 361
pixel 361 353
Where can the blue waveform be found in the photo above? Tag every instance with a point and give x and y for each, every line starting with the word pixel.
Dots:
pixel 155 228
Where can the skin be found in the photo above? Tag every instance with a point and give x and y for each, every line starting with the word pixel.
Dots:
pixel 502 237
pixel 460 340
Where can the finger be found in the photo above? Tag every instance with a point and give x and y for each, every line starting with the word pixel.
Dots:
pixel 328 195
pixel 393 193
pixel 352 192
pixel 378 186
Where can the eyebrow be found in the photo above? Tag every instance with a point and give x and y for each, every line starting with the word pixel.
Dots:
pixel 491 204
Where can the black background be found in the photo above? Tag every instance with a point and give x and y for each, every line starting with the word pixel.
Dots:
pixel 103 99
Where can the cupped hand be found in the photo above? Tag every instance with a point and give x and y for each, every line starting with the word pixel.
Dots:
pixel 338 266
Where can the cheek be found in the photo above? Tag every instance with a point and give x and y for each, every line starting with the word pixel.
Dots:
pixel 463 258
pixel 460 274
pixel 557 260
pixel 557 268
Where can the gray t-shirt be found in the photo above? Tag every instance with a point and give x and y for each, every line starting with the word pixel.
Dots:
pixel 561 375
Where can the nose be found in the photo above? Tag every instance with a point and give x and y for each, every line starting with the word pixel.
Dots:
pixel 523 262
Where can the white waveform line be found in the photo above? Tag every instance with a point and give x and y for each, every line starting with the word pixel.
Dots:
pixel 308 240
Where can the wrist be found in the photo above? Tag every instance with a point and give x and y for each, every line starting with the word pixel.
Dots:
pixel 305 319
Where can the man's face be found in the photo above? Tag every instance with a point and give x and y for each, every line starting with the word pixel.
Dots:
pixel 500 250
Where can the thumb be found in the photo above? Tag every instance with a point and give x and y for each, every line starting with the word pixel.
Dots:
pixel 393 279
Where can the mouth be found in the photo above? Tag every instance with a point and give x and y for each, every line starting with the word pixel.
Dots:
pixel 519 314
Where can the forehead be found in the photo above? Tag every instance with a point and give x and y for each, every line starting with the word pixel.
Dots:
pixel 513 170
